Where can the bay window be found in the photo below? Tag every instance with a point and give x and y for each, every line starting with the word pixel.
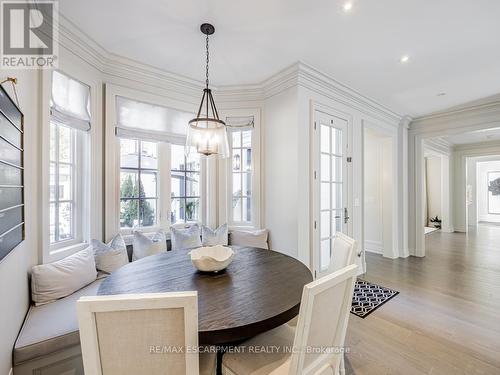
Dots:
pixel 159 184
pixel 242 173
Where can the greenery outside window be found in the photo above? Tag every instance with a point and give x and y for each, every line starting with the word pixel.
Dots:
pixel 138 183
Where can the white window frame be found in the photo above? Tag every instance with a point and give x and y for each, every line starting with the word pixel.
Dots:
pixel 112 164
pixel 77 158
pixel 225 175
pixel 202 188
pixel 160 168
pixel 88 212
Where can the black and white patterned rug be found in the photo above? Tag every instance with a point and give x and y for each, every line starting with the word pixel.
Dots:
pixel 368 297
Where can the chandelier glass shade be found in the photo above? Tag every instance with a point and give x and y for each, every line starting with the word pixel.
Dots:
pixel 207 134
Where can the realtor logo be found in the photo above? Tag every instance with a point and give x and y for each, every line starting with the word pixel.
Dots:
pixel 29 34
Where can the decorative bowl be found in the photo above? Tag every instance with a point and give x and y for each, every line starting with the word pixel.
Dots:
pixel 212 258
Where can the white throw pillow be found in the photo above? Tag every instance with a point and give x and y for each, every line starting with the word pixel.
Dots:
pixel 145 246
pixel 185 238
pixel 211 237
pixel 110 257
pixel 256 238
pixel 52 281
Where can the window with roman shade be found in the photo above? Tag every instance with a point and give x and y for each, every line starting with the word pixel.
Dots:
pixel 159 185
pixel 70 123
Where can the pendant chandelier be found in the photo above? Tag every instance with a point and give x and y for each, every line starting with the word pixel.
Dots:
pixel 207 133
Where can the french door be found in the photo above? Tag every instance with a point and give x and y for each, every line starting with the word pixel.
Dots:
pixel 330 190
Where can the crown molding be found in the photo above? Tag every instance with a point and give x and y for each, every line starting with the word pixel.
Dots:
pixel 469 118
pixel 298 74
pixel 483 146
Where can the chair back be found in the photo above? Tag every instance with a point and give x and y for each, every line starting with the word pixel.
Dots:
pixel 139 334
pixel 344 252
pixel 322 325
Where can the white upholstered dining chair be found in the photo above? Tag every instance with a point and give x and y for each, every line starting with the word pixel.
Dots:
pixel 315 346
pixel 343 255
pixel 142 334
pixel 343 252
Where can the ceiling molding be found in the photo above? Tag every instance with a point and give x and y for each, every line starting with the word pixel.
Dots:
pixel 485 146
pixel 298 74
pixel 455 121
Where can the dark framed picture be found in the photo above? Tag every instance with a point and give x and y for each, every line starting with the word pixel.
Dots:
pixel 494 193
pixel 11 174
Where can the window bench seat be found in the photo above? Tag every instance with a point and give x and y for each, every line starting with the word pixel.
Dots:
pixel 49 341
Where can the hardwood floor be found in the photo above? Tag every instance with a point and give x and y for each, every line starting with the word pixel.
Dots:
pixel 446 319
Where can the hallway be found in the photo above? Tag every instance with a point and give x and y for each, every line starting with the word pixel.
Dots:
pixel 445 319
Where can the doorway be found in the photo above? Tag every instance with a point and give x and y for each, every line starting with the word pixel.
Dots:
pixel 379 193
pixel 330 186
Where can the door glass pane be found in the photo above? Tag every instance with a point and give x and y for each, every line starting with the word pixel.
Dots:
pixel 337 168
pixel 325 254
pixel 325 138
pixel 325 195
pixel 337 141
pixel 325 224
pixel 337 221
pixel 325 167
pixel 336 195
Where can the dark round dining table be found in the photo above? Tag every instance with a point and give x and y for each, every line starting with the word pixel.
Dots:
pixel 260 290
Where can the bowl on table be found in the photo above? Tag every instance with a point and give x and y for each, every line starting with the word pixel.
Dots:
pixel 211 258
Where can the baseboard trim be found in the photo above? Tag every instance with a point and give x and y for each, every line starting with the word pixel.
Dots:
pixel 373 247
pixel 11 372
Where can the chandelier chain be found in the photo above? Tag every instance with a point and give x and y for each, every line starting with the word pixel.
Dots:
pixel 208 60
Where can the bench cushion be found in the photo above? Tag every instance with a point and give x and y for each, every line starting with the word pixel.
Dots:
pixel 51 327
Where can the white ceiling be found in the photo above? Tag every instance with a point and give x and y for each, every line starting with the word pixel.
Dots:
pixel 488 135
pixel 453 45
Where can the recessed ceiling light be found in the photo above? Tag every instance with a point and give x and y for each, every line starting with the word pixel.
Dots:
pixel 348 6
pixel 404 59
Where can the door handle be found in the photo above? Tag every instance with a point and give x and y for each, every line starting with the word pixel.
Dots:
pixel 346 216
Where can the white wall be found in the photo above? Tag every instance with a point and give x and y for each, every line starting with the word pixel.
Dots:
pixel 433 191
pixel 14 290
pixel 482 190
pixel 373 208
pixel 281 176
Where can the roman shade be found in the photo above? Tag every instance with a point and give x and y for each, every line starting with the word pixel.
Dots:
pixel 70 102
pixel 240 122
pixel 150 122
